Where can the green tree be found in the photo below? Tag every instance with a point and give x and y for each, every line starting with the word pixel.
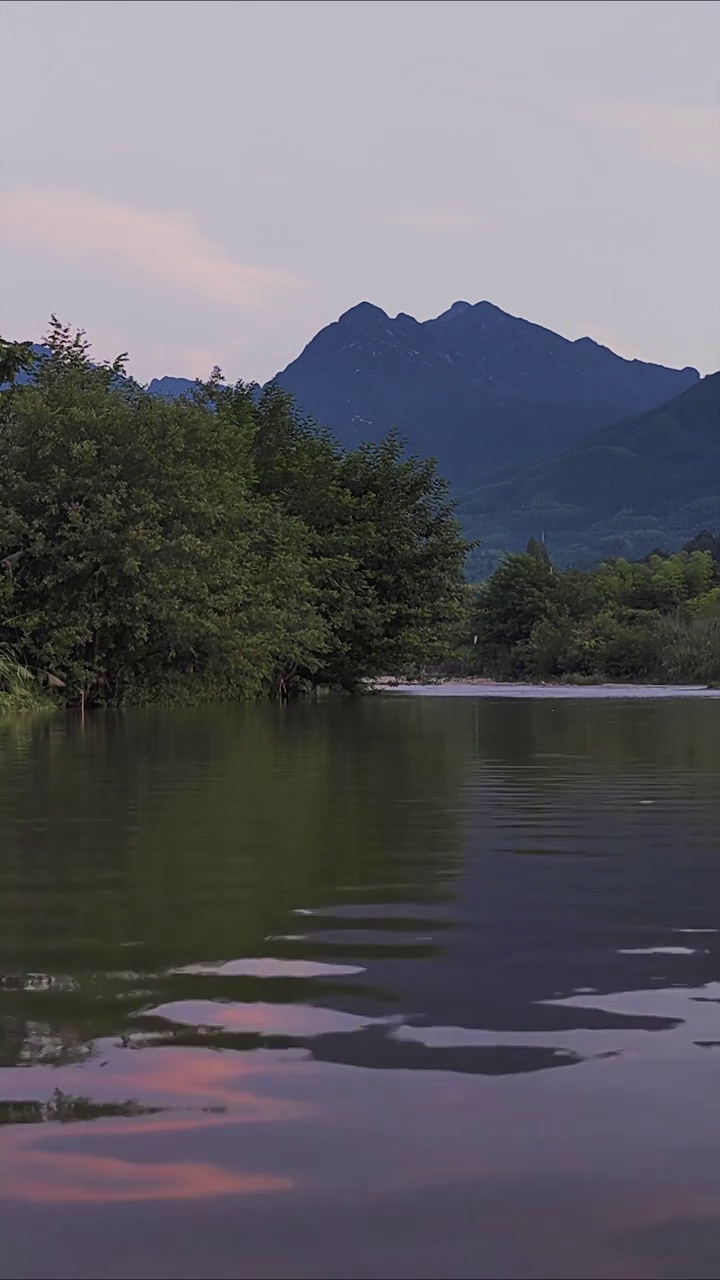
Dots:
pixel 214 545
pixel 520 594
pixel 388 554
pixel 141 552
pixel 15 358
pixel 538 551
pixel 654 619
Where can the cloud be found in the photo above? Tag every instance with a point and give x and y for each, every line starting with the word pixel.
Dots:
pixel 445 223
pixel 151 359
pixel 73 225
pixel 175 359
pixel 683 136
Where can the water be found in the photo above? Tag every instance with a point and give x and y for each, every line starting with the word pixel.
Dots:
pixel 405 987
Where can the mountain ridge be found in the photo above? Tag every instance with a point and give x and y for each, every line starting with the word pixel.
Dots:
pixel 648 480
pixel 482 391
pixel 475 387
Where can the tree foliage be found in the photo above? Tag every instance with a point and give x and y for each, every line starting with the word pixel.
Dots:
pixel 654 619
pixel 212 545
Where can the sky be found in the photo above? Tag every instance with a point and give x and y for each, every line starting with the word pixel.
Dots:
pixel 204 183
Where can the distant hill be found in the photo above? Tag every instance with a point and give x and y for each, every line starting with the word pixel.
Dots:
pixel 171 388
pixel 475 387
pixel 648 481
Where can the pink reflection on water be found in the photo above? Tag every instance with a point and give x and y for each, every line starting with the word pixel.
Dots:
pixel 261 1018
pixel 168 1077
pixel 68 1177
pixel 39 1162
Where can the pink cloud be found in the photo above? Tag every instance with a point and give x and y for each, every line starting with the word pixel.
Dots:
pixel 167 246
pixel 156 358
pixel 687 137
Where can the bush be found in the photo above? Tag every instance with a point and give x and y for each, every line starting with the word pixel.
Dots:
pixel 656 619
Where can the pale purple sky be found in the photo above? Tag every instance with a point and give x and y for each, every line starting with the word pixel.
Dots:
pixel 204 183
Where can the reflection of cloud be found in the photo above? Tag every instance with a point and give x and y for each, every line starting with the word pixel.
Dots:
pixel 66 1176
pixel 38 1166
pixel 77 226
pixel 688 137
pixel 261 1018
pixel 199 1078
pixel 445 223
pixel 171 1077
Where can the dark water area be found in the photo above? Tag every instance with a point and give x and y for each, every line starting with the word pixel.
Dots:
pixel 401 987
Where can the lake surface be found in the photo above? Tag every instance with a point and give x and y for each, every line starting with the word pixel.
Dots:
pixel 401 987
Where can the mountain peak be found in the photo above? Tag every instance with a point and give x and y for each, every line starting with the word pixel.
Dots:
pixel 476 387
pixel 363 311
pixel 456 309
pixel 489 308
pixel 474 316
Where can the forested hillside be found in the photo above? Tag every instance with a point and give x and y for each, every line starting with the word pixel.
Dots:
pixel 650 481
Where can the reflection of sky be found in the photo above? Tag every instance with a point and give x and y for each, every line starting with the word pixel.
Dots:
pixel 60 1178
pixel 521 1065
pixel 396 1173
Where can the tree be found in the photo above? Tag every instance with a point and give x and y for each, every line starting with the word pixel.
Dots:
pixel 705 541
pixel 538 551
pixel 15 358
pixel 405 587
pixel 519 595
pixel 213 545
pixel 143 554
pixel 652 619
pixel 388 554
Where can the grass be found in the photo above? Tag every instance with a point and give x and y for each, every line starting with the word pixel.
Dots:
pixel 19 691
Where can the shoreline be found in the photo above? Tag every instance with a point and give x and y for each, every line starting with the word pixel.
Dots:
pixel 480 687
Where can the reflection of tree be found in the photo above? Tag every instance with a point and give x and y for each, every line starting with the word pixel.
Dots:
pixel 66 1108
pixel 28 1043
pixel 195 832
pixel 138 843
pixel 607 735
pixel 36 982
pixel 377 1050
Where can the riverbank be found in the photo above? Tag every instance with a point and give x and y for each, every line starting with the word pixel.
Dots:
pixel 475 687
pixel 13 705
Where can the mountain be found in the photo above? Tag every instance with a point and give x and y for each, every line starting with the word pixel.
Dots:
pixel 648 481
pixel 475 387
pixel 171 388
